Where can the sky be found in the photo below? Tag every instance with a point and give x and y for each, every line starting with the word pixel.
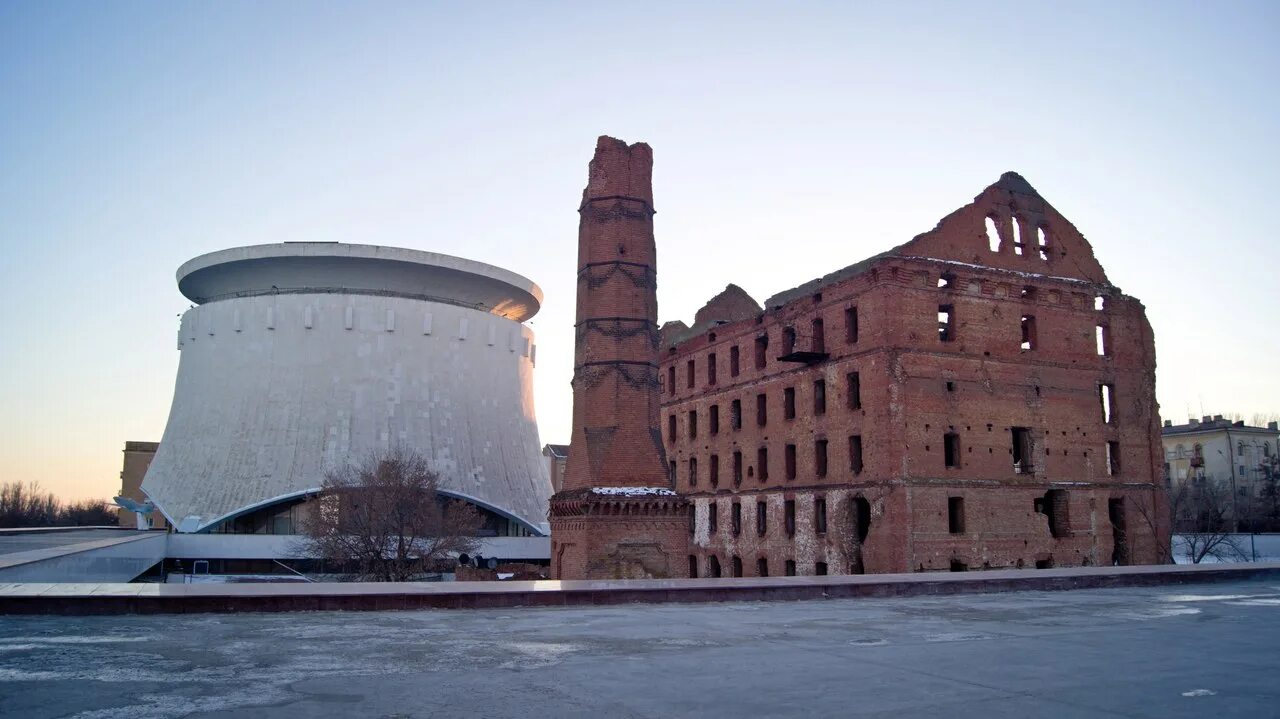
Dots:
pixel 790 139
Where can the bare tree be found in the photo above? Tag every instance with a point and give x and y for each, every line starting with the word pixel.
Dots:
pixel 25 504
pixel 1201 510
pixel 385 519
pixel 1151 514
pixel 1269 492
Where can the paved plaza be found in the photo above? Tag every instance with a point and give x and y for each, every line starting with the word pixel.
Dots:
pixel 1202 650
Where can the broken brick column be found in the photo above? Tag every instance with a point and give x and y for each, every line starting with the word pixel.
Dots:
pixel 618 516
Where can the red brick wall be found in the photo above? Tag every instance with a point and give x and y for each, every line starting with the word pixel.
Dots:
pixel 907 407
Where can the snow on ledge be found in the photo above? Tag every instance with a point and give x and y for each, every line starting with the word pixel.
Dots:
pixel 634 491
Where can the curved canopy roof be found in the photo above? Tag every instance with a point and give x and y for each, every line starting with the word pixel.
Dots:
pixel 293 267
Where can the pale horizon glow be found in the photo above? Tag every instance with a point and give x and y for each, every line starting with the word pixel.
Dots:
pixel 789 141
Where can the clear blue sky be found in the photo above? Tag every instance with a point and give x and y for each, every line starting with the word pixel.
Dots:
pixel 789 140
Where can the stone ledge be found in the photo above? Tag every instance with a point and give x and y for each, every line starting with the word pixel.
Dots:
pixel 198 598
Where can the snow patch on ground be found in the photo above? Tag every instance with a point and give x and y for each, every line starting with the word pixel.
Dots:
pixel 954 637
pixel 1257 603
pixel 868 642
pixel 1203 597
pixel 1199 693
pixel 73 639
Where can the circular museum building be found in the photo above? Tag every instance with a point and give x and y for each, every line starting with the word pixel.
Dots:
pixel 300 357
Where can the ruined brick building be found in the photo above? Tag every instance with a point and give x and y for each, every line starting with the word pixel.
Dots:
pixel 979 397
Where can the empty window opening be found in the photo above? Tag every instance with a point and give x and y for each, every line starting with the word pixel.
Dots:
pixel 1113 458
pixel 1028 332
pixel 820 569
pixel 789 459
pixel 1099 303
pixel 737 469
pixel 693 471
pixel 689 370
pixel 946 281
pixel 1022 447
pixel 789 403
pixel 735 414
pixel 1044 563
pixel 993 234
pixel 762 518
pixel 819 336
pixel 955 515
pixel 762 567
pixel 860 519
pixel 693 518
pixel 1102 339
pixel 946 323
pixel 733 362
pixel 1119 532
pixel 1106 395
pixel 855 454
pixel 855 390
pixel 789 516
pixel 959 566
pixel 693 566
pixel 671 428
pixel 671 470
pixel 788 340
pixel 762 349
pixel 791 567
pixel 762 410
pixel 820 515
pixel 735 519
pixel 951 386
pixel 671 379
pixel 820 457
pixel 1042 242
pixel 1017 234
pixel 713 518
pixel 737 566
pixel 713 419
pixel 951 450
pixel 762 463
pixel 1054 506
pixel 1028 292
pixel 851 324
pixel 713 470
pixel 714 567
pixel 693 424
pixel 819 396
pixel 711 368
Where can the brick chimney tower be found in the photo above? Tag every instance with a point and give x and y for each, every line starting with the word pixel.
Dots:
pixel 618 516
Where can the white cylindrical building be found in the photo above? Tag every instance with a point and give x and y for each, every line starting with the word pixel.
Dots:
pixel 300 357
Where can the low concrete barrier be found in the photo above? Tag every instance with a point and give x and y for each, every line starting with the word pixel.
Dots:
pixel 191 598
pixel 112 559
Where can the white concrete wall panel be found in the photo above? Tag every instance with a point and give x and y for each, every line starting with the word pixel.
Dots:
pixel 312 381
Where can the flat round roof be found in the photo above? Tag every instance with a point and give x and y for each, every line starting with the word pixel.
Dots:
pixel 292 267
